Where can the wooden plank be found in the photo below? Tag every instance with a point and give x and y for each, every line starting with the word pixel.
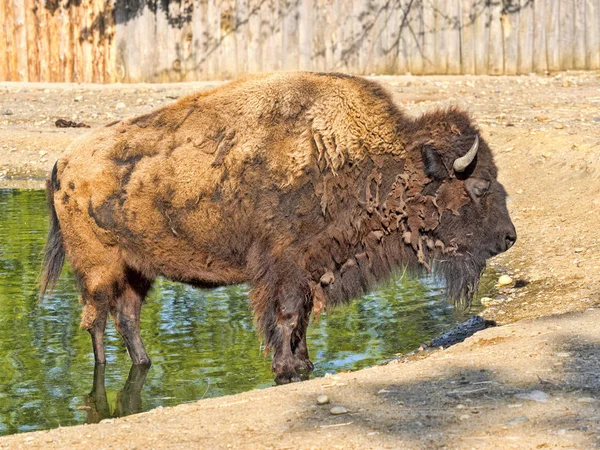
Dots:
pixel 76 48
pixel 268 22
pixel 467 47
pixel 553 35
pixel 441 37
pixel 579 53
pixel 363 37
pixel 496 41
pixel 272 57
pixel 525 60
pixel 110 53
pixel 341 41
pixel 540 63
pixel 254 38
pixel 11 45
pixel 510 36
pixel 428 37
pixel 290 22
pixel 199 32
pixel 163 59
pixel 567 34
pixel 413 32
pixel 213 38
pixel 226 51
pixel 4 71
pixel 31 26
pixel 85 39
pixel 592 41
pixel 481 37
pixel 380 38
pixel 54 28
pixel 453 13
pixel 305 34
pixel 242 35
pixel 97 48
pixel 400 42
pixel 20 40
pixel 318 41
pixel 43 43
pixel 65 55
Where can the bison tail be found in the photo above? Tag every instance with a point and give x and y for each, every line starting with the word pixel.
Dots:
pixel 54 252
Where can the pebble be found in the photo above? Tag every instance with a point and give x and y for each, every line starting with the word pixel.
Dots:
pixel 337 410
pixel 322 400
pixel 485 301
pixel 558 125
pixel 536 396
pixel 7 112
pixel 120 105
pixel 504 280
pixel 516 421
pixel 78 98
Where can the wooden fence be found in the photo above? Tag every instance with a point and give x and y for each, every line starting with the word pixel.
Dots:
pixel 169 40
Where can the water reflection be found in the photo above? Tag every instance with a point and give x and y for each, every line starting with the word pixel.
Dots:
pixel 202 342
pixel 128 400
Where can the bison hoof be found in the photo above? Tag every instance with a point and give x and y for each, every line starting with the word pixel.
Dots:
pixel 286 378
pixel 304 365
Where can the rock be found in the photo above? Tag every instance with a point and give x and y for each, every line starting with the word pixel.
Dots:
pixel 78 98
pixel 504 280
pixel 579 250
pixel 586 400
pixel 7 112
pixel 322 399
pixel 536 396
pixel 558 125
pixel 337 410
pixel 485 301
pixel 120 105
pixel 516 421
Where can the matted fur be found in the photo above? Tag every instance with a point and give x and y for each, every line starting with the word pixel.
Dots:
pixel 310 187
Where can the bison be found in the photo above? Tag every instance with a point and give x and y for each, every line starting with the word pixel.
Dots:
pixel 310 187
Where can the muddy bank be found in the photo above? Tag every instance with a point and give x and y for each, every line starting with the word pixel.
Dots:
pixel 478 394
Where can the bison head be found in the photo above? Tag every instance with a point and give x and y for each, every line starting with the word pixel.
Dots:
pixel 473 221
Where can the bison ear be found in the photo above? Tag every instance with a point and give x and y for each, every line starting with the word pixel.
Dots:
pixel 432 161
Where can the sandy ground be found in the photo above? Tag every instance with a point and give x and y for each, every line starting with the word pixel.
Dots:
pixel 533 382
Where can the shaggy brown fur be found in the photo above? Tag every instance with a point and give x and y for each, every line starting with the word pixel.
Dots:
pixel 310 187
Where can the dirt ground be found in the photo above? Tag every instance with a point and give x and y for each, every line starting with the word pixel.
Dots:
pixel 533 382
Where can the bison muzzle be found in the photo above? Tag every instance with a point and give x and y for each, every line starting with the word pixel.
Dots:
pixel 310 187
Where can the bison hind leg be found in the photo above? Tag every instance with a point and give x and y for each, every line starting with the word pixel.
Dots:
pixel 126 311
pixel 93 319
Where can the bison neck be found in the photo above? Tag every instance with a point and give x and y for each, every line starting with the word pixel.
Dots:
pixel 376 227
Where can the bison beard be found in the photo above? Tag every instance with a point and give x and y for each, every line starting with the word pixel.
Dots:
pixel 461 276
pixel 310 187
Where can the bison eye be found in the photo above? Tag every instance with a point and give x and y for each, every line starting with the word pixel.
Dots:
pixel 477 187
pixel 480 191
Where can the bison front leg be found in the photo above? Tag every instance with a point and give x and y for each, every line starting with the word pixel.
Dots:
pixel 300 347
pixel 281 312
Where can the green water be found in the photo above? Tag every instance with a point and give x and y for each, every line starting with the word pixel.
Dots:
pixel 202 342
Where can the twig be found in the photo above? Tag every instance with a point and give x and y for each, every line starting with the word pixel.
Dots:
pixel 336 425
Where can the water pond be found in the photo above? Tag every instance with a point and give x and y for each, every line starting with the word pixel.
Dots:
pixel 202 342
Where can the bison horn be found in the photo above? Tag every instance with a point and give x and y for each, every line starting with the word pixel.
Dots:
pixel 460 164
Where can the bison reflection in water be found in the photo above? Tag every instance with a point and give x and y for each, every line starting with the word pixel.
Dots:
pixel 129 399
pixel 309 187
